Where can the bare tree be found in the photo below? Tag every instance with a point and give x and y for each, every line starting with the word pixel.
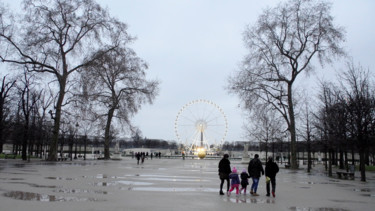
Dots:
pixel 282 44
pixel 55 37
pixel 118 84
pixel 357 84
pixel 266 128
pixel 5 89
pixel 29 96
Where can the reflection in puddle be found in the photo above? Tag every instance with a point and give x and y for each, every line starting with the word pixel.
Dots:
pixel 28 196
pixel 59 178
pixel 251 200
pixel 174 189
pixel 362 190
pixel 132 183
pixel 317 209
pixel 105 184
pixel 12 179
pixel 175 179
pixel 305 187
pixel 36 185
pixel 80 191
pixel 368 195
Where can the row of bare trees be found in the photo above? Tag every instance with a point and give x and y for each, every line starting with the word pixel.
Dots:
pixel 286 41
pixel 345 120
pixel 80 55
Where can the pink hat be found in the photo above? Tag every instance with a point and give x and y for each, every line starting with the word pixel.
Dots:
pixel 234 170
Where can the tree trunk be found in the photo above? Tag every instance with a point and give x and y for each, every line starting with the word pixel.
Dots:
pixel 25 138
pixel 330 152
pixel 107 133
pixel 52 155
pixel 292 129
pixel 362 166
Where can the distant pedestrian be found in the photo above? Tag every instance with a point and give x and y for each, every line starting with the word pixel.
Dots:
pixel 271 170
pixel 244 180
pixel 138 156
pixel 224 171
pixel 234 181
pixel 255 168
pixel 143 155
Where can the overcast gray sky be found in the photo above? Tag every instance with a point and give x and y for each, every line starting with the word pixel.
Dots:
pixel 192 46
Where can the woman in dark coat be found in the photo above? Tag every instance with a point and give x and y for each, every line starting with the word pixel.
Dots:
pixel 271 170
pixel 224 171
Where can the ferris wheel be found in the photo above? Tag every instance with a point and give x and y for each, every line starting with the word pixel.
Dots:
pixel 201 123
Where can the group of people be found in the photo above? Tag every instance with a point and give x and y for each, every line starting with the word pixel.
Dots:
pixel 255 171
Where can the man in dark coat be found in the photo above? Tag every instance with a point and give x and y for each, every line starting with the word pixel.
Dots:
pixel 224 171
pixel 271 170
pixel 255 169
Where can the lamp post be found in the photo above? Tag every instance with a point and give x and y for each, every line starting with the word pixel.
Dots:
pixel 84 155
pixel 75 150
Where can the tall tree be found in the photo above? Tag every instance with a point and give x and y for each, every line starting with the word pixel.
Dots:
pixel 120 88
pixel 282 45
pixel 29 97
pixel 55 38
pixel 5 89
pixel 358 86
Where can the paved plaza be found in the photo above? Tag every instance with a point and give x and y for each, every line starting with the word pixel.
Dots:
pixel 167 184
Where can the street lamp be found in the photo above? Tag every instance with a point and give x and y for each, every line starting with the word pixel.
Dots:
pixel 75 150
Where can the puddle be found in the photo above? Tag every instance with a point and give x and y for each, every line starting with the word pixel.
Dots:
pixel 171 179
pixel 80 191
pixel 248 200
pixel 98 176
pixel 368 195
pixel 29 196
pixel 317 209
pixel 305 187
pixel 362 190
pixel 348 201
pixel 13 179
pixel 19 165
pixel 159 189
pixel 124 182
pixel 59 178
pixel 36 185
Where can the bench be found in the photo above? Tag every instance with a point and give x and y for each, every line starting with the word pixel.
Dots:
pixel 287 166
pixel 62 159
pixel 345 174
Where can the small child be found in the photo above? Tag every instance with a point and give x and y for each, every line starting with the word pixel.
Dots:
pixel 244 180
pixel 234 181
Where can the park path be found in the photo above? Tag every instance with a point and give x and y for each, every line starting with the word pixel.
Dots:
pixel 167 184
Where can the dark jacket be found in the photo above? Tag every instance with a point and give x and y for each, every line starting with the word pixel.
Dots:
pixel 255 168
pixel 234 178
pixel 271 169
pixel 244 178
pixel 224 166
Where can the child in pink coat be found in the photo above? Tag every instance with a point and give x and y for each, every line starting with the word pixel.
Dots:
pixel 234 181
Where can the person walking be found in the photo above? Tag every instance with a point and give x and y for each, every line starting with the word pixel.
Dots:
pixel 271 170
pixel 224 171
pixel 138 156
pixel 255 168
pixel 244 180
pixel 234 181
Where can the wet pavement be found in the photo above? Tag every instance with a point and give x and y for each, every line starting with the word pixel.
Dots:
pixel 168 184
